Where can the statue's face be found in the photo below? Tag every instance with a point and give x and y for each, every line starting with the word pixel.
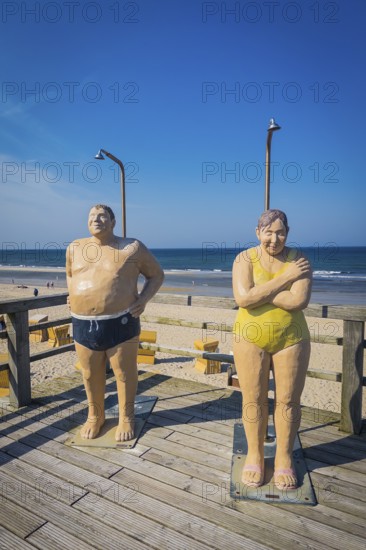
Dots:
pixel 99 222
pixel 273 237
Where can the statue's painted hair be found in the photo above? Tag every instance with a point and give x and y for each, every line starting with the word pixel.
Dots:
pixel 270 216
pixel 107 209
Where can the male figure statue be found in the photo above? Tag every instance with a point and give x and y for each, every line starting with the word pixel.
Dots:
pixel 102 273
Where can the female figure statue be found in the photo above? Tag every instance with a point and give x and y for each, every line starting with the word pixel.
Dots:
pixel 271 284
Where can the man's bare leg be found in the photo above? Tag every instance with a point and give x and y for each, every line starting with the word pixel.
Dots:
pixel 252 365
pixel 289 368
pixel 94 375
pixel 123 359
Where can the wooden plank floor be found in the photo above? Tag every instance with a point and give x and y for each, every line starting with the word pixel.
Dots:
pixel 172 490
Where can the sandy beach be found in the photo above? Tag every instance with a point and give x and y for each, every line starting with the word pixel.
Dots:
pixel 317 393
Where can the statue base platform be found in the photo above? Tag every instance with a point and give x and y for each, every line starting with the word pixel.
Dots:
pixel 268 492
pixel 143 407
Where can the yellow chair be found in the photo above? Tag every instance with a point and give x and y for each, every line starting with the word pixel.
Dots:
pixel 38 335
pixel 4 377
pixel 147 356
pixel 59 336
pixel 207 366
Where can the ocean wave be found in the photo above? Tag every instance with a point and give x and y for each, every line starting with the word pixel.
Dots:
pixel 187 270
pixel 324 272
pixel 340 275
pixel 199 271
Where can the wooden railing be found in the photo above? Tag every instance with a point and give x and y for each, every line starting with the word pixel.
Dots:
pixel 17 334
pixel 351 376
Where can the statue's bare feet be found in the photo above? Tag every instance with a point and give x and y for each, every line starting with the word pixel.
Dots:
pixel 253 471
pixel 285 479
pixel 284 474
pixel 125 429
pixel 92 427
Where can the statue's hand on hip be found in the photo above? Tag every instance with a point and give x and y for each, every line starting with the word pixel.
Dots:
pixel 137 307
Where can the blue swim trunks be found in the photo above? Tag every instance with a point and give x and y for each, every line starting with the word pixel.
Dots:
pixel 102 332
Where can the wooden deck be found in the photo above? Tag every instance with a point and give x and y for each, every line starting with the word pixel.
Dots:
pixel 172 490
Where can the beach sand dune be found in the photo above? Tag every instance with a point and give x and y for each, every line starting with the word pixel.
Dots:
pixel 317 393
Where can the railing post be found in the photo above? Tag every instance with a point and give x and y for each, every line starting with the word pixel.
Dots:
pixel 352 373
pixel 18 348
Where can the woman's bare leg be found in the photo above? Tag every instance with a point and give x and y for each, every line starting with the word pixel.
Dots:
pixel 252 365
pixel 289 368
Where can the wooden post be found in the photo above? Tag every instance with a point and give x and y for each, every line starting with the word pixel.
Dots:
pixel 352 373
pixel 19 364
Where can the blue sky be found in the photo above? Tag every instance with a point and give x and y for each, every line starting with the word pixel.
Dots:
pixel 182 92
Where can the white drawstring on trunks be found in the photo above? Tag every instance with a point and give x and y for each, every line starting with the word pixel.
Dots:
pixel 91 325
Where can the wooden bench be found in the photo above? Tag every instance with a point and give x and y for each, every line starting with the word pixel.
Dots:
pixel 59 336
pixel 207 366
pixel 38 335
pixel 147 356
pixel 4 376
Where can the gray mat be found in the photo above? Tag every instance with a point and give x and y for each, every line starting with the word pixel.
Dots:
pixel 268 492
pixel 143 407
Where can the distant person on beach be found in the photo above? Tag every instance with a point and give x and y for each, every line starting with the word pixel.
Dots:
pixel 48 285
pixel 35 292
pixel 271 284
pixel 102 273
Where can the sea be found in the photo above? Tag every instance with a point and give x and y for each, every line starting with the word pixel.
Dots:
pixel 339 272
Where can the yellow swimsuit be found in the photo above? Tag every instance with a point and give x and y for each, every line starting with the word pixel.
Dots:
pixel 267 326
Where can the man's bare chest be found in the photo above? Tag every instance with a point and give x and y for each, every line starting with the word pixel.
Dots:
pixel 93 259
